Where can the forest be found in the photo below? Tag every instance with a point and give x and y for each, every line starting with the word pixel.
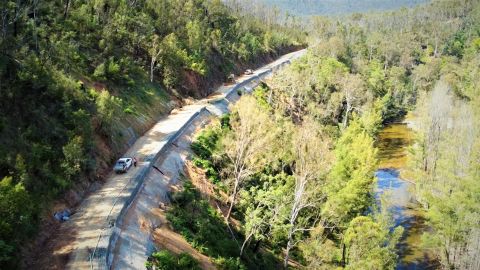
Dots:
pixel 297 158
pixel 75 74
pixel 292 165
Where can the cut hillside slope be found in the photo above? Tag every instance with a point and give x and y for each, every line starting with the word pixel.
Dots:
pixel 81 80
pixel 93 230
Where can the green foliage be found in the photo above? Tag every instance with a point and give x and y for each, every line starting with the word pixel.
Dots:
pixel 75 159
pixel 261 94
pixel 18 213
pixel 53 64
pixel 165 260
pixel 456 45
pixel 376 78
pixel 100 72
pixel 229 264
pixel 203 147
pixel 331 69
pixel 372 119
pixel 205 143
pixel 369 246
pixel 446 168
pixel 352 176
pixel 225 121
pixel 268 190
pixel 200 224
pixel 6 252
pixel 107 108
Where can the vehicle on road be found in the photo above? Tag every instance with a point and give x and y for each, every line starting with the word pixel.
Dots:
pixel 123 165
pixel 248 89
pixel 231 78
pixel 248 72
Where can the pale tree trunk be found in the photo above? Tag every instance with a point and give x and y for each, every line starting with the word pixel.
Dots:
pixel 155 52
pixel 347 113
pixel 435 53
pixel 232 200
pixel 35 3
pixel 345 119
pixel 298 205
pixel 239 170
pixel 270 96
pixel 287 254
pixel 311 154
pixel 247 239
pixel 67 7
pixel 152 66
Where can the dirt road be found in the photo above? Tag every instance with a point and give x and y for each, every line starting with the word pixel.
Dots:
pixel 94 229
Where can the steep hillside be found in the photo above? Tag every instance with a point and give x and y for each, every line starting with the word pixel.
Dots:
pixel 299 163
pixel 80 80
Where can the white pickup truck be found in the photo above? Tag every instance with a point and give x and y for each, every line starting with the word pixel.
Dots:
pixel 123 165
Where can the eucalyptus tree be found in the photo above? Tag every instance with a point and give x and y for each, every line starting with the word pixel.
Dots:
pixel 312 159
pixel 246 146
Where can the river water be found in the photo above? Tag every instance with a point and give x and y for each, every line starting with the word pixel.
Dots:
pixel 392 143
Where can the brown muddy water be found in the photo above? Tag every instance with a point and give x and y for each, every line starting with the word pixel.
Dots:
pixel 393 141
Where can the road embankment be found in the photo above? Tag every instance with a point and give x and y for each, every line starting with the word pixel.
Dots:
pixel 96 227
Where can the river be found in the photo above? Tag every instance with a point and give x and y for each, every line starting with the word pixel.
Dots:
pixel 393 141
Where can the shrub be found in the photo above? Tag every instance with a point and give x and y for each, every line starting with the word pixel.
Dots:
pixel 225 121
pixel 113 69
pixel 130 109
pixel 107 106
pixel 18 212
pixel 229 264
pixel 186 261
pixel 165 260
pixel 203 147
pixel 99 72
pixel 200 224
pixel 74 157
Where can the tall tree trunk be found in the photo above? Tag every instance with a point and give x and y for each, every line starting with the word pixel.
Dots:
pixel 232 200
pixel 347 112
pixel 35 3
pixel 247 239
pixel 287 250
pixel 15 23
pixel 152 66
pixel 65 11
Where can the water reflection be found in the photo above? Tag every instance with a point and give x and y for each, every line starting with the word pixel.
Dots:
pixel 392 144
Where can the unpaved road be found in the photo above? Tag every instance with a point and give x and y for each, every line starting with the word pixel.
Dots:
pixel 89 231
pixel 145 225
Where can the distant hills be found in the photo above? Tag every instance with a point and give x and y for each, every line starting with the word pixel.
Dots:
pixel 337 7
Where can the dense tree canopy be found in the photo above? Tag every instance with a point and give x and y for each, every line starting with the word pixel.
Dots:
pixel 359 73
pixel 76 74
pixel 293 164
